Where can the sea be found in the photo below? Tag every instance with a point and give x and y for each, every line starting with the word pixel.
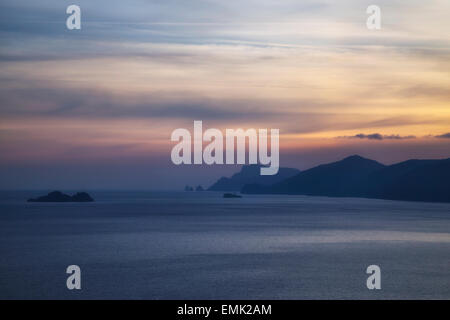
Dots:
pixel 199 245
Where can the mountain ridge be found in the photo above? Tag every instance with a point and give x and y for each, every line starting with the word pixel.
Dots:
pixel 355 176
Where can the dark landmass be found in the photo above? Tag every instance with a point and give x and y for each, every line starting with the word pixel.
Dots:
pixel 250 174
pixel 231 195
pixel 199 188
pixel 355 176
pixel 333 179
pixel 188 188
pixel 57 196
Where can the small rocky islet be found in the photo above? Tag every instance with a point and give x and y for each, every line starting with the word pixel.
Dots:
pixel 58 196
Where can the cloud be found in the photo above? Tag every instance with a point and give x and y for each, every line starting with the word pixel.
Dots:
pixel 82 103
pixel 423 90
pixel 444 136
pixel 373 136
pixel 377 136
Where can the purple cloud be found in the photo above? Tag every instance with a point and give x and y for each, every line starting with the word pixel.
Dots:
pixel 378 136
pixel 444 136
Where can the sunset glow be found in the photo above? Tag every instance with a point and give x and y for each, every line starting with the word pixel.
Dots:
pixel 118 87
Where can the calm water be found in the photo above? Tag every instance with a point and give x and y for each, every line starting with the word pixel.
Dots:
pixel 146 245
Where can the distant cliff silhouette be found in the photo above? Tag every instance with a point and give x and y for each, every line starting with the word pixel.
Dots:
pixel 57 196
pixel 251 174
pixel 355 176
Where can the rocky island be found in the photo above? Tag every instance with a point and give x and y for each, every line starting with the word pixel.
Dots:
pixel 231 195
pixel 57 196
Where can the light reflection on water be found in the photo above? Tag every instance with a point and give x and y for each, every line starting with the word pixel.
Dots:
pixel 199 245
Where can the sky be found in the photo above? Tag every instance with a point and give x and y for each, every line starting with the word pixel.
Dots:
pixel 94 108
